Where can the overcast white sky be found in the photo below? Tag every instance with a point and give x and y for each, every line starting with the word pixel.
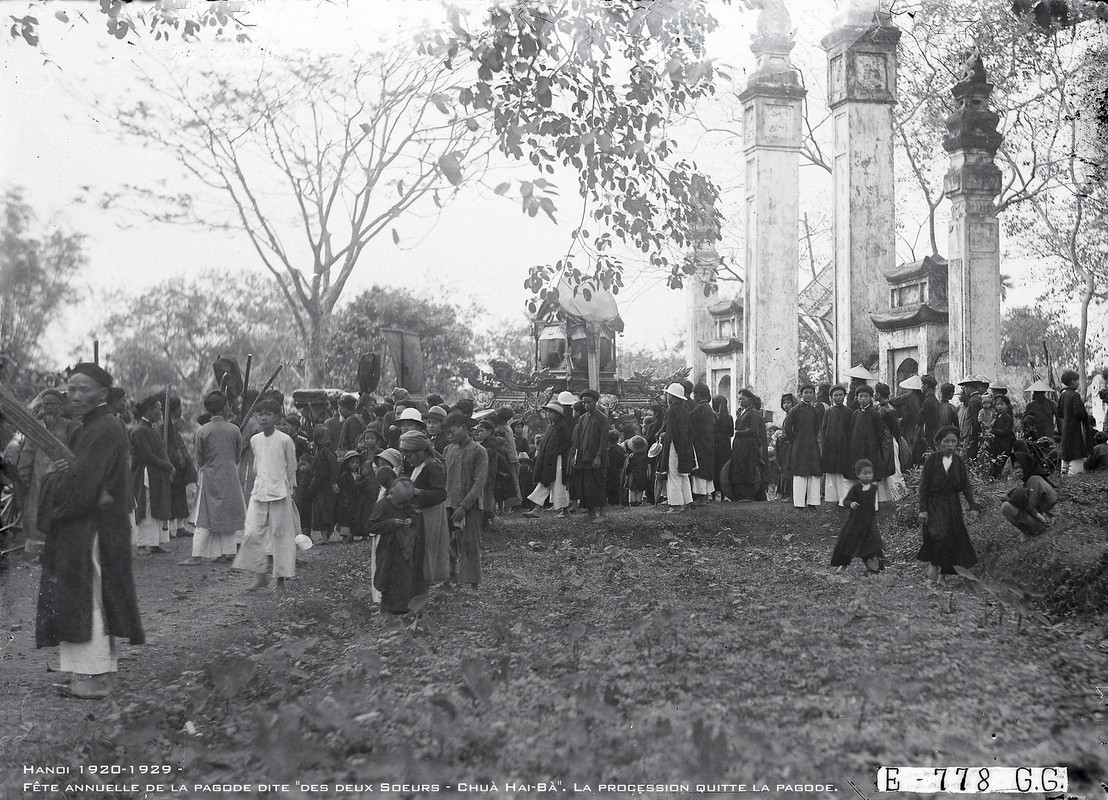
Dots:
pixel 53 142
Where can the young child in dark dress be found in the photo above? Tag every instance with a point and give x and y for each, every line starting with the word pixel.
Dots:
pixel 859 537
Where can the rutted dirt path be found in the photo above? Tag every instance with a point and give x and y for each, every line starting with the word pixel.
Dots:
pixel 712 648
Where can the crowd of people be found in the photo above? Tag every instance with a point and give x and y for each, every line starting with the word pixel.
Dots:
pixel 422 480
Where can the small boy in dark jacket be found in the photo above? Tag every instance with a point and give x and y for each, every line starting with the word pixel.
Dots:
pixel 614 479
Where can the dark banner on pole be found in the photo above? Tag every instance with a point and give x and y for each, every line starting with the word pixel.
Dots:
pixel 407 358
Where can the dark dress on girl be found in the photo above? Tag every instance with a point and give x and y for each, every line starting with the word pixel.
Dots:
pixel 325 474
pixel 1004 436
pixel 946 541
pixel 859 537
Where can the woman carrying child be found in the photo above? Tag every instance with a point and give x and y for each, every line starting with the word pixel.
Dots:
pixel 426 468
pixel 399 525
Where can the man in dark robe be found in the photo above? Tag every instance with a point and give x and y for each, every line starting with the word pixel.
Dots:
pixel 948 412
pixel 1074 420
pixel 185 471
pixel 152 474
pixel 588 457
pixel 87 592
pixel 929 422
pixel 969 416
pixel 908 406
pixel 745 473
pixel 1040 418
pixel 867 435
pixel 703 422
pixel 801 426
pixel 352 425
pixel 834 446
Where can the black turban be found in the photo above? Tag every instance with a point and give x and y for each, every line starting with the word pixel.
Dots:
pixel 946 431
pixel 595 395
pixel 214 402
pixel 94 371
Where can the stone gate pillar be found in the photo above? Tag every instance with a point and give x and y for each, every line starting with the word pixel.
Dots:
pixel 772 108
pixel 861 81
pixel 972 182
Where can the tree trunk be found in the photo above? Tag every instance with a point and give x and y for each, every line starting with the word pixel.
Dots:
pixel 315 364
pixel 1083 331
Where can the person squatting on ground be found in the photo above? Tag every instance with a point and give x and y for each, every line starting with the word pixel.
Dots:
pixel 87 591
pixel 859 537
pixel 220 508
pixel 271 518
pixel 1028 506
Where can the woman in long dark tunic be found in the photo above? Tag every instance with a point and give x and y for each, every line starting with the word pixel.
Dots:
pixel 946 542
pixel 784 453
pixel 322 488
pixel 867 435
pixel 1074 419
pixel 725 430
pixel 1003 434
pixel 746 453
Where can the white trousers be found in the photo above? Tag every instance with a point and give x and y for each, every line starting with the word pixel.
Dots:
pixel 678 486
pixel 702 485
pixel 97 655
pixel 206 544
pixel 556 492
pixel 271 528
pixel 835 488
pixel 149 533
pixel 805 490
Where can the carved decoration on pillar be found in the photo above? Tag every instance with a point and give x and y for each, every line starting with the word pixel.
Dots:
pixel 973 125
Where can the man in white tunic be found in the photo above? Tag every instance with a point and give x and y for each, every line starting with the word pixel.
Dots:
pixel 220 510
pixel 271 519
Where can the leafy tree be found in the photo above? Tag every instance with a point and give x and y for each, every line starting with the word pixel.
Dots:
pixel 664 359
pixel 37 271
pixel 514 344
pixel 1023 331
pixel 447 338
pixel 592 85
pixel 340 146
pixel 172 332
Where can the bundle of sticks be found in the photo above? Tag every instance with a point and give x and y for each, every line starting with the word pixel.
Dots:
pixel 37 433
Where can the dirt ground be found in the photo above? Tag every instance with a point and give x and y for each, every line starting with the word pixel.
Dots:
pixel 708 648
